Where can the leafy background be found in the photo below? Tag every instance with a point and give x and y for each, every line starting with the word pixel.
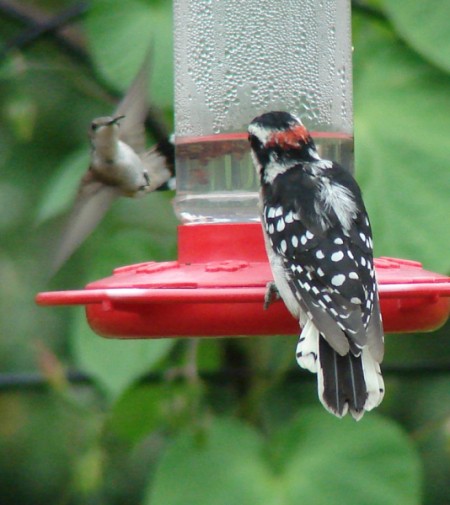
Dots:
pixel 199 434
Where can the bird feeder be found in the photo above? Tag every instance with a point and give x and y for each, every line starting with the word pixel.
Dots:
pixel 233 64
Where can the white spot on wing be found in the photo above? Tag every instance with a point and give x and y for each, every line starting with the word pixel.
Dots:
pixel 289 218
pixel 338 279
pixel 280 224
pixel 337 256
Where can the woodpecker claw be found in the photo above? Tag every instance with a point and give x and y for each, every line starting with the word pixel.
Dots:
pixel 272 294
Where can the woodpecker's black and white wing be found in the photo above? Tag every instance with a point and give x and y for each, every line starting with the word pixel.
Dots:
pixel 327 271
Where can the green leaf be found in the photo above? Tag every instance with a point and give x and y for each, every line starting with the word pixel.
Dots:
pixel 135 230
pixel 340 461
pixel 222 467
pixel 138 412
pixel 21 113
pixel 120 34
pixel 162 81
pixel 317 459
pixel 425 26
pixel 402 159
pixel 148 407
pixel 115 364
pixel 62 186
pixel 13 205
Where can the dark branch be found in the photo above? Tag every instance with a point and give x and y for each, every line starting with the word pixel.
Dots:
pixel 35 380
pixel 38 28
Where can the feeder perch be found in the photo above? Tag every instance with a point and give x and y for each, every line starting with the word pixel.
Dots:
pixel 224 79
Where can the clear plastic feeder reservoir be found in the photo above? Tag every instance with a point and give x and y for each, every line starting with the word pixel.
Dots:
pixel 237 59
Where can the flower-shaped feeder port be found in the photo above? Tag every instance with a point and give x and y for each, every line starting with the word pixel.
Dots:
pixel 217 287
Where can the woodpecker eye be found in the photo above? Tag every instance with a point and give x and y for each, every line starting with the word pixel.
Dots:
pixel 255 143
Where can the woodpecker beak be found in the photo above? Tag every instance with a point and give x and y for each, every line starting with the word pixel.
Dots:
pixel 115 120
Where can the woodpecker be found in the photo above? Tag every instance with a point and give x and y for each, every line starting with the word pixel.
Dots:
pixel 120 165
pixel 319 244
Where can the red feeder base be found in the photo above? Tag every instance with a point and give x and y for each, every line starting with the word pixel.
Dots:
pixel 217 286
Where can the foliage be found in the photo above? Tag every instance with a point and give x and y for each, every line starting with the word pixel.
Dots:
pixel 182 438
pixel 231 462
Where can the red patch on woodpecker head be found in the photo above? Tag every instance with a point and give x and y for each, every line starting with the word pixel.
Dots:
pixel 292 138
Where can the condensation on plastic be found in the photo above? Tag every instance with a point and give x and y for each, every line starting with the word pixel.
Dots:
pixel 236 59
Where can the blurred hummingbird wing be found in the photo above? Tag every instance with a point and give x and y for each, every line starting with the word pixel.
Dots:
pixel 134 106
pixel 160 165
pixel 93 200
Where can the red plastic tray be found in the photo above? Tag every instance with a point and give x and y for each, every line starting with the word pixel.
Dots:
pixel 217 286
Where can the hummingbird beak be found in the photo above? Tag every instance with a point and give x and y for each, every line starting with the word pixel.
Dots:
pixel 115 120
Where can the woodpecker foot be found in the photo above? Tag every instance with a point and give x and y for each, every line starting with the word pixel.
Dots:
pixel 272 294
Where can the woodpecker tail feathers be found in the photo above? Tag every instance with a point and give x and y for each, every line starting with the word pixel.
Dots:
pixel 347 383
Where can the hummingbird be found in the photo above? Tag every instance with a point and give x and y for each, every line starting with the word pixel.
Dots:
pixel 120 165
